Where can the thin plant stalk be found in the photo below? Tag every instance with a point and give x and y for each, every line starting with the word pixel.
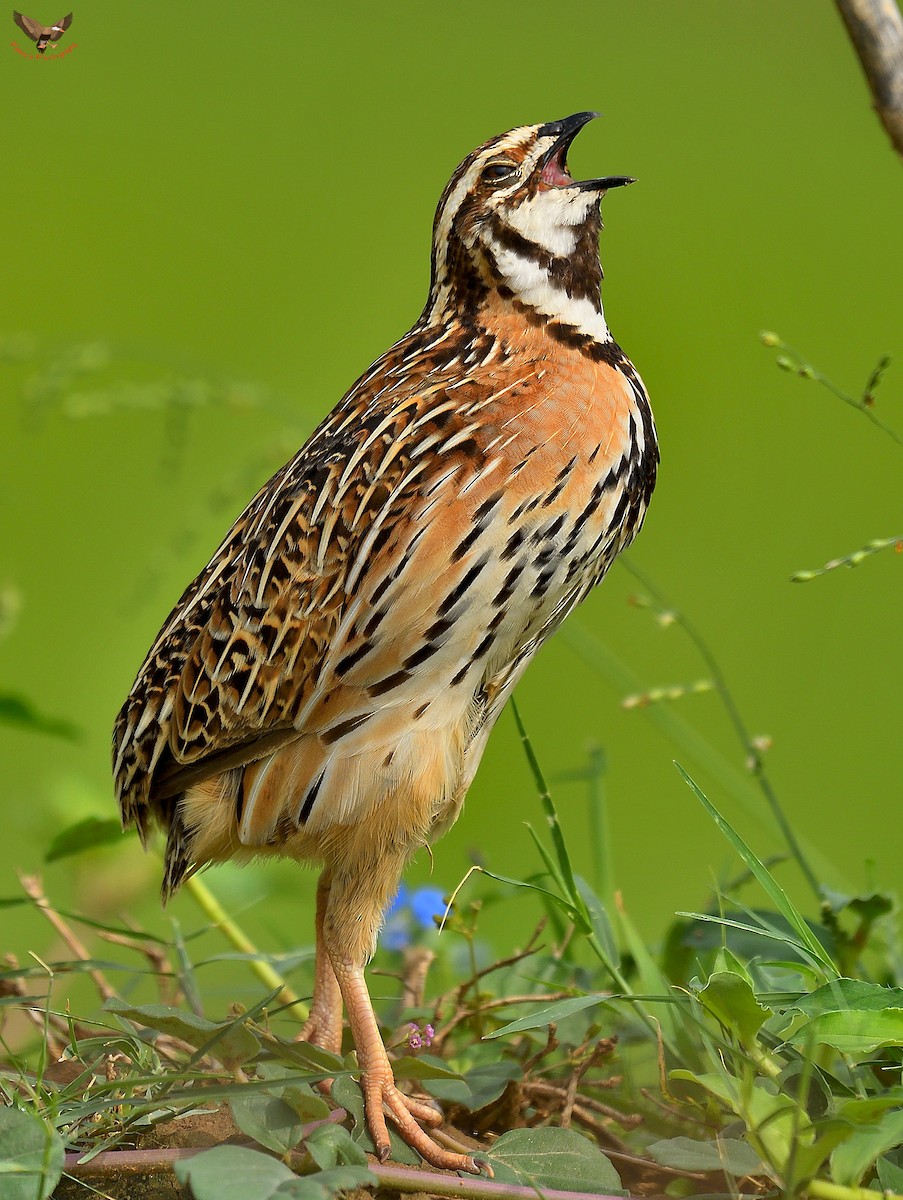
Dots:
pixel 752 751
pixel 233 933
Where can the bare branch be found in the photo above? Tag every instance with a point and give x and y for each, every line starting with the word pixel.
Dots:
pixel 876 30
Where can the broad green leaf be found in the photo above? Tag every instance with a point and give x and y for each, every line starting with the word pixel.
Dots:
pixel 452 1091
pixel 766 881
pixel 553 1158
pixel 16 710
pixel 869 907
pixel 551 1014
pixel 890 1176
pixel 731 1000
pixel 866 1110
pixel 721 1154
pixel 774 1124
pixel 84 835
pixel 726 960
pixel 850 1161
pixel 344 1178
pixel 489 1080
pixel 409 1067
pixel 305 1102
pixel 855 1032
pixel 331 1145
pixel 843 994
pixel 308 1057
pixel 267 1119
pixel 31 1156
pixel 478 1087
pixel 235 1044
pixel 233 1173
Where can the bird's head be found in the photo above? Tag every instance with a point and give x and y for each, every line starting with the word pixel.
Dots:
pixel 513 224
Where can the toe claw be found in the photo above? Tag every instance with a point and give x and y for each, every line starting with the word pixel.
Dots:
pixel 383 1152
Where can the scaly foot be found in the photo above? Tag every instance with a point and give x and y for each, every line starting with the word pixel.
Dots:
pixel 381 1095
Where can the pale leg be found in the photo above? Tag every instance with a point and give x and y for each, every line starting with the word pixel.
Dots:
pixel 324 1025
pixel 354 909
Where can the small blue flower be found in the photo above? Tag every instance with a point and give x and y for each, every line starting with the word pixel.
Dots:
pixel 427 903
pixel 409 914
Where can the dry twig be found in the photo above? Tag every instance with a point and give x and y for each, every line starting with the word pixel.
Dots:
pixel 875 28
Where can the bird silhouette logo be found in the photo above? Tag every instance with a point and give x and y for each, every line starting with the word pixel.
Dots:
pixel 42 34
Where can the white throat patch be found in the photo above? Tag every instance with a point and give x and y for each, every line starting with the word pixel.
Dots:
pixel 531 284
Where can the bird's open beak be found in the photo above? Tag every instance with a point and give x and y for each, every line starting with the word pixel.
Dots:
pixel 554 171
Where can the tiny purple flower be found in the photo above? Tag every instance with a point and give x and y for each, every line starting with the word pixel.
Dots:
pixel 418 1038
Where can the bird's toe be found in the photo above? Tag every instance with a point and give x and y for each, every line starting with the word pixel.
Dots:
pixel 381 1097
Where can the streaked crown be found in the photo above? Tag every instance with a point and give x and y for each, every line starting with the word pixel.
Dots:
pixel 514 227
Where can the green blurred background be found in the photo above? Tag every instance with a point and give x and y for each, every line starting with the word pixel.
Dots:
pixel 216 215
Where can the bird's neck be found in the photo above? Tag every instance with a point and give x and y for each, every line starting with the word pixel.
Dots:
pixel 557 284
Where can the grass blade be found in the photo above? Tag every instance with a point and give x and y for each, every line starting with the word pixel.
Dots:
pixel 767 882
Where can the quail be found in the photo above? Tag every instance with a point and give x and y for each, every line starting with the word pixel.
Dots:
pixel 326 686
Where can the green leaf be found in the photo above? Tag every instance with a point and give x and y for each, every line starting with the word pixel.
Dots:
pixel 409 1067
pixel 341 1179
pixel 890 1176
pixel 267 1119
pixel 553 1158
pixel 731 1000
pixel 489 1080
pixel 850 1161
pixel 551 1014
pixel 16 710
pixel 332 1145
pixel 31 1156
pixel 869 907
pixel 307 1056
pixel 767 882
pixel 233 1173
pixel 479 1086
pixel 235 1043
pixel 856 1033
pixel 774 1124
pixel 83 835
pixel 721 1154
pixel 304 1101
pixel 599 922
pixel 842 995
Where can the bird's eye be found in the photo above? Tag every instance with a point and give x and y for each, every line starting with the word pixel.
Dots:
pixel 497 171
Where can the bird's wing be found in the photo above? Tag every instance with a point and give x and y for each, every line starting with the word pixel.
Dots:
pixel 61 26
pixel 259 649
pixel 34 29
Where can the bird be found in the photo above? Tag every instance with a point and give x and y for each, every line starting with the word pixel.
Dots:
pixel 42 34
pixel 325 688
